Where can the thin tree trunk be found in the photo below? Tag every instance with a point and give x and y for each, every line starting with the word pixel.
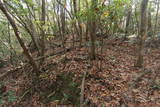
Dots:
pixel 76 9
pixel 32 30
pixel 142 35
pixel 155 26
pixel 63 24
pixel 43 17
pixel 87 24
pixel 137 21
pixel 10 44
pixel 127 22
pixel 93 30
pixel 149 22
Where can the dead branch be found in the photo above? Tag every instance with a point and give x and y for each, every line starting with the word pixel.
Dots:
pixel 82 90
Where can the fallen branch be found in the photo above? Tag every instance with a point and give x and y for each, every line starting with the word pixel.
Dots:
pixel 57 53
pixel 82 90
pixel 51 94
pixel 25 93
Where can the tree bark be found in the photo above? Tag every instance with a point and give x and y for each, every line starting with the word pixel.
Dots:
pixel 155 26
pixel 136 19
pixel 63 24
pixel 127 22
pixel 142 35
pixel 43 17
pixel 93 30
pixel 79 30
pixel 10 44
pixel 149 22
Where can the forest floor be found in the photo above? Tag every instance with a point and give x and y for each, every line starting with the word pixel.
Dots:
pixel 111 80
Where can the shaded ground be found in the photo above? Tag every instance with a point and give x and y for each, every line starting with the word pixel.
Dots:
pixel 111 80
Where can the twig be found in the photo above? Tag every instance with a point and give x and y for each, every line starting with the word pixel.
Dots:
pixel 51 94
pixel 25 93
pixel 82 90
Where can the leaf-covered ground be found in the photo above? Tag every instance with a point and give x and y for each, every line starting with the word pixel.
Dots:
pixel 111 79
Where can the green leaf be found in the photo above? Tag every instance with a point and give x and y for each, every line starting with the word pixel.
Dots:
pixel 11 96
pixel 65 96
pixel 16 1
pixel 30 2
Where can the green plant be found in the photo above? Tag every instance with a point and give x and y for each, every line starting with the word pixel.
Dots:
pixel 6 96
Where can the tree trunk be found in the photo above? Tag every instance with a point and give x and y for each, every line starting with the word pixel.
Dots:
pixel 136 19
pixel 79 31
pixel 155 26
pixel 149 22
pixel 17 34
pixel 87 24
pixel 93 30
pixel 43 16
pixel 63 24
pixel 32 30
pixel 142 35
pixel 127 22
pixel 10 44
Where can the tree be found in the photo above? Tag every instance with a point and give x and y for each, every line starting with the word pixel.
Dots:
pixel 78 28
pixel 43 18
pixel 156 21
pixel 17 34
pixel 92 29
pixel 149 21
pixel 128 21
pixel 142 34
pixel 24 18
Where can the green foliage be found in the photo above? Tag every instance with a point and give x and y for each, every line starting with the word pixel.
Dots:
pixel 6 96
pixel 107 16
pixel 16 1
pixel 30 2
pixel 112 14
